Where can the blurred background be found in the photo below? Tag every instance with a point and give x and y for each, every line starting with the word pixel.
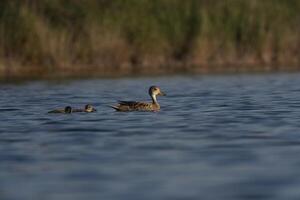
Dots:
pixel 100 38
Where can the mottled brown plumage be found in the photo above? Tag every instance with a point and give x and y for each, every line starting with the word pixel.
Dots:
pixel 125 106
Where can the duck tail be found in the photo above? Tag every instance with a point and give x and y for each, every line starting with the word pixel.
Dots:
pixel 114 107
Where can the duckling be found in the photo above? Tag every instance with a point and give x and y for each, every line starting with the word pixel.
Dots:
pixel 66 110
pixel 125 106
pixel 88 108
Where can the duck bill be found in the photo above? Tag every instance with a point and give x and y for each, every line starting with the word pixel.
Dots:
pixel 94 110
pixel 162 94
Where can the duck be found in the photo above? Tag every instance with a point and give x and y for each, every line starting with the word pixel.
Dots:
pixel 66 110
pixel 125 106
pixel 87 108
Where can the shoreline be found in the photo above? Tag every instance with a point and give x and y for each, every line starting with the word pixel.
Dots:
pixel 28 73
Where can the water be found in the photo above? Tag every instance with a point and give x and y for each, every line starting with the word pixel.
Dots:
pixel 216 137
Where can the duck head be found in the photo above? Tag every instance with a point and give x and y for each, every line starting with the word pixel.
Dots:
pixel 68 109
pixel 155 91
pixel 89 108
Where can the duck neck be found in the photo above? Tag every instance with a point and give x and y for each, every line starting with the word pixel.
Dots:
pixel 154 100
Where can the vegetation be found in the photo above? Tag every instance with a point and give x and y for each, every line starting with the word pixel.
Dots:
pixel 122 37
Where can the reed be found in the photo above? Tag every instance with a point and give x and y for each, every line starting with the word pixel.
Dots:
pixel 124 37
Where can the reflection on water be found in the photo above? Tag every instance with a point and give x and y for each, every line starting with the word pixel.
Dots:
pixel 216 137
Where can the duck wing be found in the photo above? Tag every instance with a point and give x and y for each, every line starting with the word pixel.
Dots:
pixel 132 106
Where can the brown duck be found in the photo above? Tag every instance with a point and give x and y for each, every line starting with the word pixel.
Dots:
pixel 125 106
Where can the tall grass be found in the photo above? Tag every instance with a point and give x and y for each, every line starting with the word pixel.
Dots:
pixel 144 35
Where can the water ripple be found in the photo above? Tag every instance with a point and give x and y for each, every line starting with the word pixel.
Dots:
pixel 216 137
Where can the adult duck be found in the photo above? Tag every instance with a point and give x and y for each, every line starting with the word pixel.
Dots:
pixel 125 106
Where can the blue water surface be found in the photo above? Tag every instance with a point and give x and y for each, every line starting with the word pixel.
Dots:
pixel 216 137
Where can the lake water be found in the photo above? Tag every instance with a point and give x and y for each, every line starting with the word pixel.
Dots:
pixel 216 137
